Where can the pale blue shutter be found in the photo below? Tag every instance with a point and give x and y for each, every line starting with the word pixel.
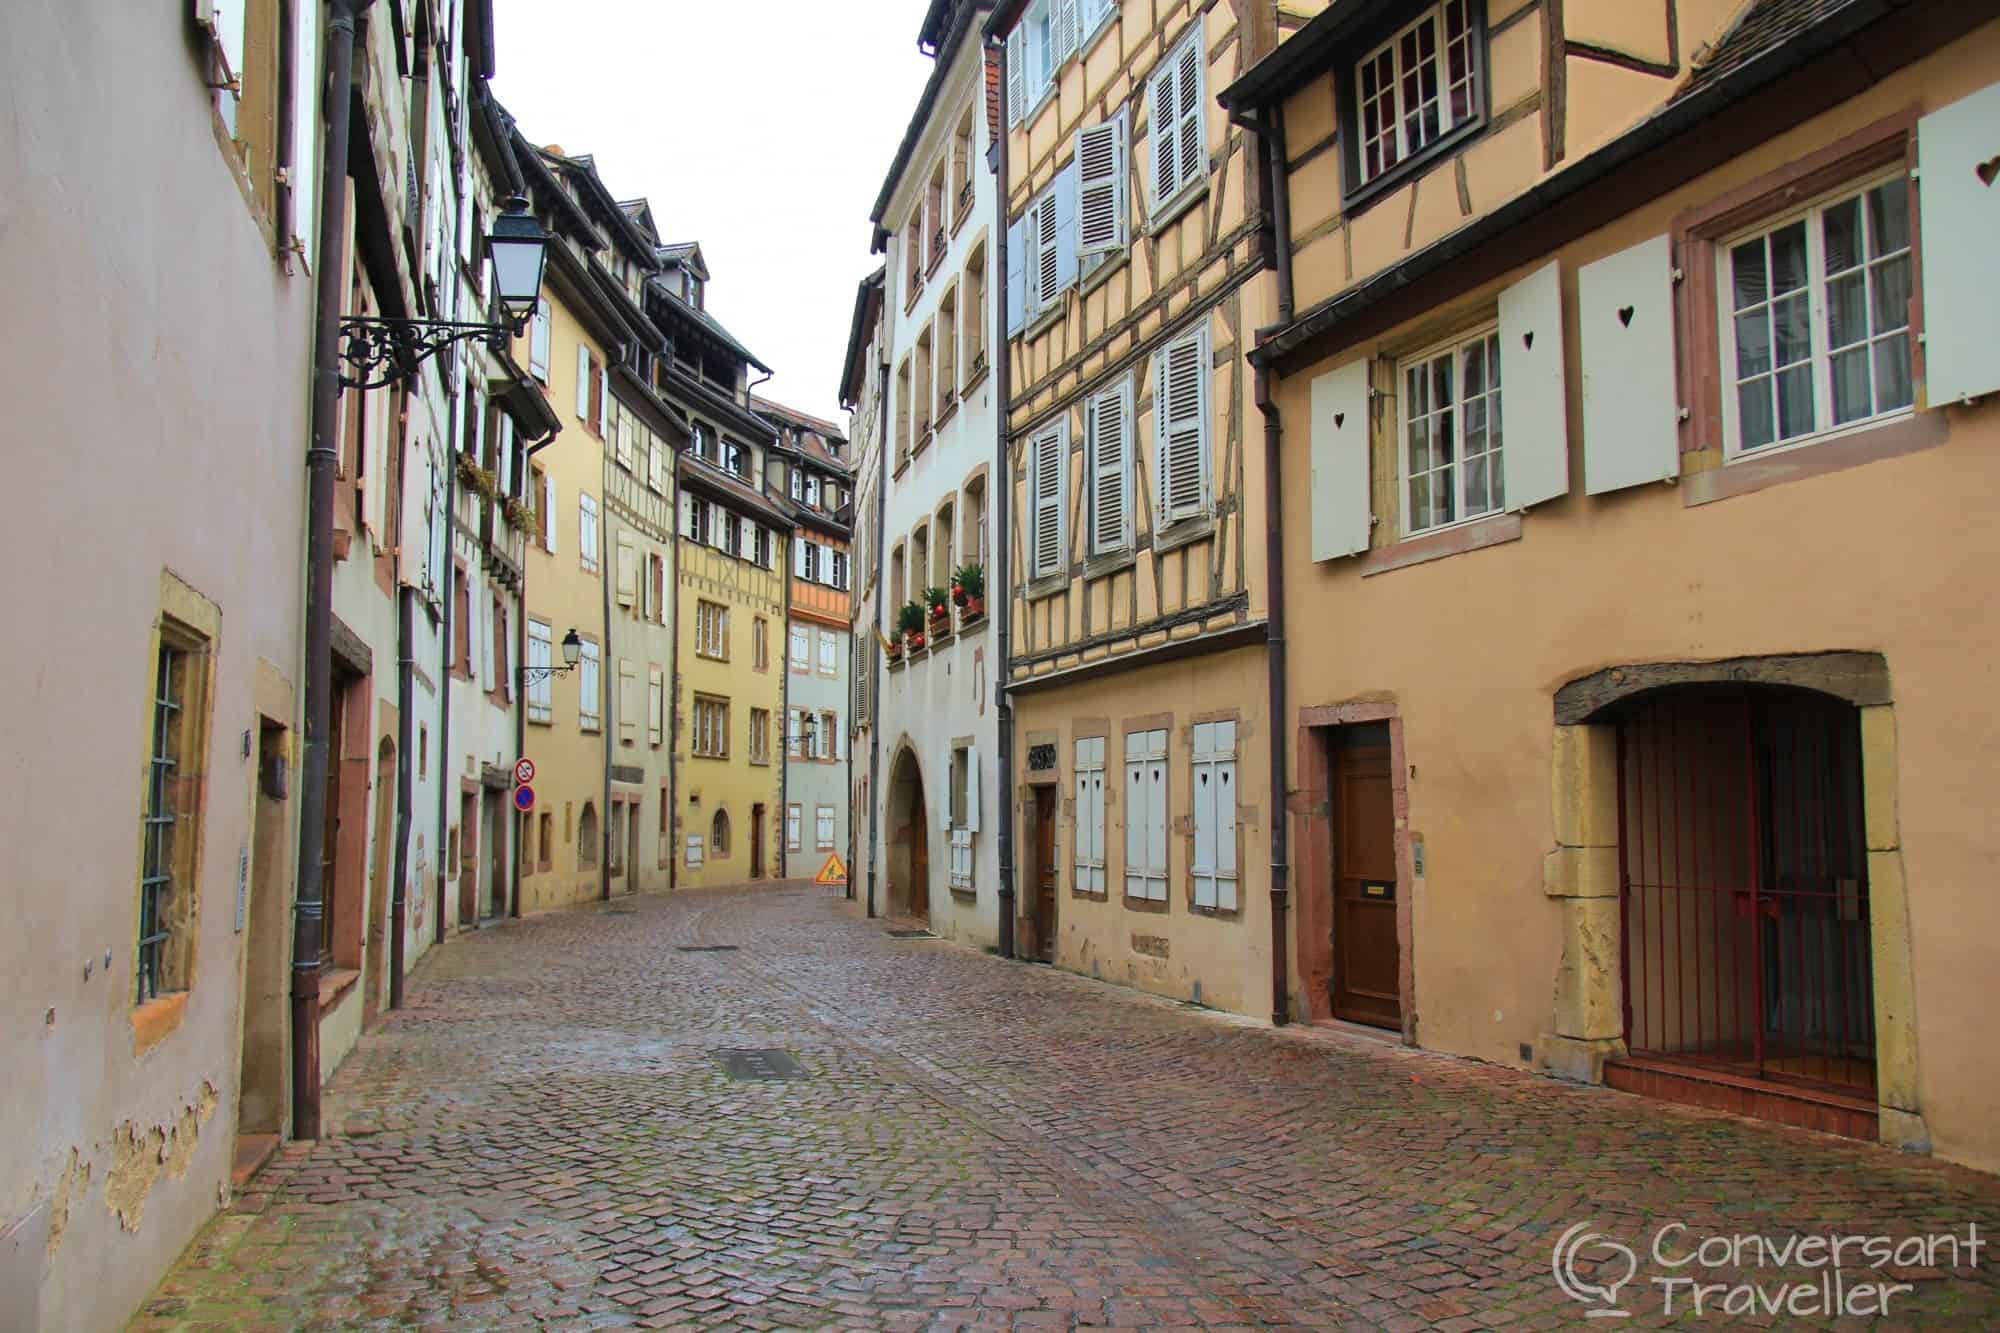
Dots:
pixel 1065 202
pixel 1017 271
pixel 1016 61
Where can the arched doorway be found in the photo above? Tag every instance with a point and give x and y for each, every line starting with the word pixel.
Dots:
pixel 1743 886
pixel 909 859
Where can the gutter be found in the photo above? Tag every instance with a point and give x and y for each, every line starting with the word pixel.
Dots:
pixel 520 678
pixel 309 902
pixel 406 663
pixel 874 626
pixel 1003 494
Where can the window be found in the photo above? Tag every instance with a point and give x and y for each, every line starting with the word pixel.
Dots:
pixel 586 837
pixel 805 559
pixel 1451 434
pixel 1108 454
pixel 1102 215
pixel 616 843
pixel 934 208
pixel 170 812
pixel 694 851
pixel 961 165
pixel 1816 334
pixel 718 834
pixel 1179 130
pixel 812 491
pixel 795 742
pixel 586 507
pixel 1036 49
pixel 972 327
pixel 1146 815
pixel 760 735
pixel 1094 14
pixel 974 543
pixel 923 386
pixel 764 554
pixel 829 653
pixel 946 526
pixel 823 827
pixel 1047 249
pixel 897 594
pixel 711 727
pixel 656 706
pixel 711 630
pixel 704 443
pixel 947 339
pixel 540 686
pixel 1048 478
pixel 1089 778
pixel 695 514
pixel 964 812
pixel 545 842
pixel 732 529
pixel 734 459
pixel 826 737
pixel 1212 783
pixel 792 819
pixel 913 250
pixel 801 649
pixel 798 483
pixel 656 583
pixel 1181 426
pixel 589 718
pixel 760 644
pixel 664 835
pixel 903 415
pixel 1416 88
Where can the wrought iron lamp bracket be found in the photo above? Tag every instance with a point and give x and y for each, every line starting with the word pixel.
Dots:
pixel 377 352
pixel 529 675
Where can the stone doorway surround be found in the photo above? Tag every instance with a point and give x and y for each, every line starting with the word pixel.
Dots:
pixel 1581 873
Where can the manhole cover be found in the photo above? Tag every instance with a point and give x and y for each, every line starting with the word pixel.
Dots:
pixel 706 948
pixel 911 935
pixel 759 1064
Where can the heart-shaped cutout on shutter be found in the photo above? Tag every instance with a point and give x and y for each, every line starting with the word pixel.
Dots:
pixel 1625 315
pixel 1528 340
pixel 1988 171
pixel 1339 420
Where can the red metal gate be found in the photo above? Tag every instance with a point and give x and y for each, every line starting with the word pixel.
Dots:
pixel 1744 881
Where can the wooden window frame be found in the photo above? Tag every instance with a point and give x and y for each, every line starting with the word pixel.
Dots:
pixel 709 702
pixel 1455 348
pixel 1356 192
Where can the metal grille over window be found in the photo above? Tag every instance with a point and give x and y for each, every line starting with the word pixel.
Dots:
pixel 156 883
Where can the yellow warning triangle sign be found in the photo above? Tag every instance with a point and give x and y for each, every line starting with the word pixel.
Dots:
pixel 833 872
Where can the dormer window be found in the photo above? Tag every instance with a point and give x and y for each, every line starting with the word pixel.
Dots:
pixel 1414 94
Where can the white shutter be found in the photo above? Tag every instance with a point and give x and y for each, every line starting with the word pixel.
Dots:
pixel 825 574
pixel 798 558
pixel 687 515
pixel 1160 123
pixel 1062 32
pixel 1213 773
pixel 628 707
pixel 628 569
pixel 1180 433
pixel 582 382
pixel 972 789
pixel 1625 323
pixel 306 121
pixel 538 341
pixel 1146 815
pixel 1017 274
pixel 1189 113
pixel 656 706
pixel 1049 464
pixel 1031 263
pixel 550 515
pixel 1016 72
pixel 1101 208
pixel 1108 437
pixel 1065 230
pixel 1340 416
pixel 1959 220
pixel 1534 407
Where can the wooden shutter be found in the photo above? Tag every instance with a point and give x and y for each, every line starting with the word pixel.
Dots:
pixel 628 706
pixel 538 341
pixel 1534 409
pixel 971 789
pixel 1047 466
pixel 1160 120
pixel 1101 209
pixel 656 706
pixel 1957 225
pixel 1065 233
pixel 1340 472
pixel 582 382
pixel 549 524
pixel 1046 280
pixel 1180 434
pixel 1062 32
pixel 1017 269
pixel 1213 774
pixel 1192 153
pixel 1108 434
pixel 1146 814
pixel 1631 412
pixel 1016 72
pixel 628 569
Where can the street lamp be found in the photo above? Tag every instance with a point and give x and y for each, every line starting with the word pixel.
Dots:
pixel 572 651
pixel 383 351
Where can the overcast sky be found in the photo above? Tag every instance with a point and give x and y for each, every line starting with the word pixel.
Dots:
pixel 762 130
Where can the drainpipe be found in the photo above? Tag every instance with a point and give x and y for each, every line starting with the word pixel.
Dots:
pixel 1272 150
pixel 520 661
pixel 406 663
pixel 607 662
pixel 875 664
pixel 1003 494
pixel 309 907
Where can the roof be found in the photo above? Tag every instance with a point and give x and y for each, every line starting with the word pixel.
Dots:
pixel 641 212
pixel 684 252
pixel 963 23
pixel 867 311
pixel 1764 26
pixel 695 314
pixel 719 485
pixel 1306 54
pixel 814 432
pixel 583 166
pixel 820 425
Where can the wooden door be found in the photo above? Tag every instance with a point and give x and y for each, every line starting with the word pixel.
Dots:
pixel 329 868
pixel 1045 874
pixel 920 856
pixel 1366 962
pixel 756 842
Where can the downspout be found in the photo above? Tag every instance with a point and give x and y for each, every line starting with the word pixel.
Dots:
pixel 520 663
pixel 1272 149
pixel 783 844
pixel 406 663
pixel 875 664
pixel 607 662
pixel 310 901
pixel 1003 493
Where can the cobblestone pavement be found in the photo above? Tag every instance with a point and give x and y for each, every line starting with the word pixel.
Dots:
pixel 544 1137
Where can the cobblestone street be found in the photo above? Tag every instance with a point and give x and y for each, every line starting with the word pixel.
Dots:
pixel 546 1137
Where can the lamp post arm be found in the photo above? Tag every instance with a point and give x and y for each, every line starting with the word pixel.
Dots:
pixel 376 352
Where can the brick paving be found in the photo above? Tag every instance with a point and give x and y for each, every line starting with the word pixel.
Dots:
pixel 544 1137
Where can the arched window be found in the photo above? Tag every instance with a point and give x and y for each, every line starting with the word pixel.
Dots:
pixel 586 837
pixel 718 834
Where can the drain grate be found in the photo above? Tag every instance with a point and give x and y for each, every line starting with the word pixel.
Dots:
pixel 911 935
pixel 758 1064
pixel 706 948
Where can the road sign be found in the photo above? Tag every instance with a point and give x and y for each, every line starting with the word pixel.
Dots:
pixel 524 797
pixel 833 872
pixel 524 771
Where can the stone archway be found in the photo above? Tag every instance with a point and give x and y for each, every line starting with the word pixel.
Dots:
pixel 908 851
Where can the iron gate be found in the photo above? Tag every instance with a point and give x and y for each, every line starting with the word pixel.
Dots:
pixel 1744 885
